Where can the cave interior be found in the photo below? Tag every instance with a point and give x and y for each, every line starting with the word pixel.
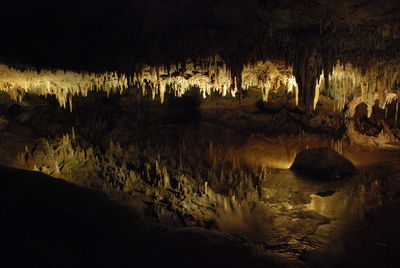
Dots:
pixel 200 133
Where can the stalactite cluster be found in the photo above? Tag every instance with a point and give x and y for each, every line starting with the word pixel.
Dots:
pixel 211 75
pixel 326 64
pixel 162 47
pixel 269 76
pixel 62 84
pixel 373 84
pixel 215 76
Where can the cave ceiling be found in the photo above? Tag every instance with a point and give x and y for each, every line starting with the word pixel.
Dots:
pixel 345 47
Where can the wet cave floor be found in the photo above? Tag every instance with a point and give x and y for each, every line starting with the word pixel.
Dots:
pixel 129 180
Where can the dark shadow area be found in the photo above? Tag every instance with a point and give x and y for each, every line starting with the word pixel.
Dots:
pixel 50 223
pixel 183 110
pixel 368 126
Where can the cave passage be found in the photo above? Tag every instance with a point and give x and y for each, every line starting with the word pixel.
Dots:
pixel 200 133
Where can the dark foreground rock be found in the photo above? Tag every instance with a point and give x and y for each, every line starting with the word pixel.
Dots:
pixel 323 162
pixel 47 222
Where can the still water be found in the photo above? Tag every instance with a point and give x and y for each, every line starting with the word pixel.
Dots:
pixel 316 222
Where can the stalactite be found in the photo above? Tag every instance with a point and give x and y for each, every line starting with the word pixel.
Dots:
pixel 307 68
pixel 317 91
pixel 305 72
pixel 213 75
pixel 62 84
pixel 396 114
pixel 374 83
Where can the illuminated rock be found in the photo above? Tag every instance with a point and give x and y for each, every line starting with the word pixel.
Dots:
pixel 344 82
pixel 323 162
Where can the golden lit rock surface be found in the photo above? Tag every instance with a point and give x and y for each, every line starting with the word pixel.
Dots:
pixel 346 84
pixel 189 114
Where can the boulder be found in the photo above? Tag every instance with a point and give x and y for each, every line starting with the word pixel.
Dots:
pixel 323 162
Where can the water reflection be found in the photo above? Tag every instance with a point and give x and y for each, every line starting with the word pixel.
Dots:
pixel 297 215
